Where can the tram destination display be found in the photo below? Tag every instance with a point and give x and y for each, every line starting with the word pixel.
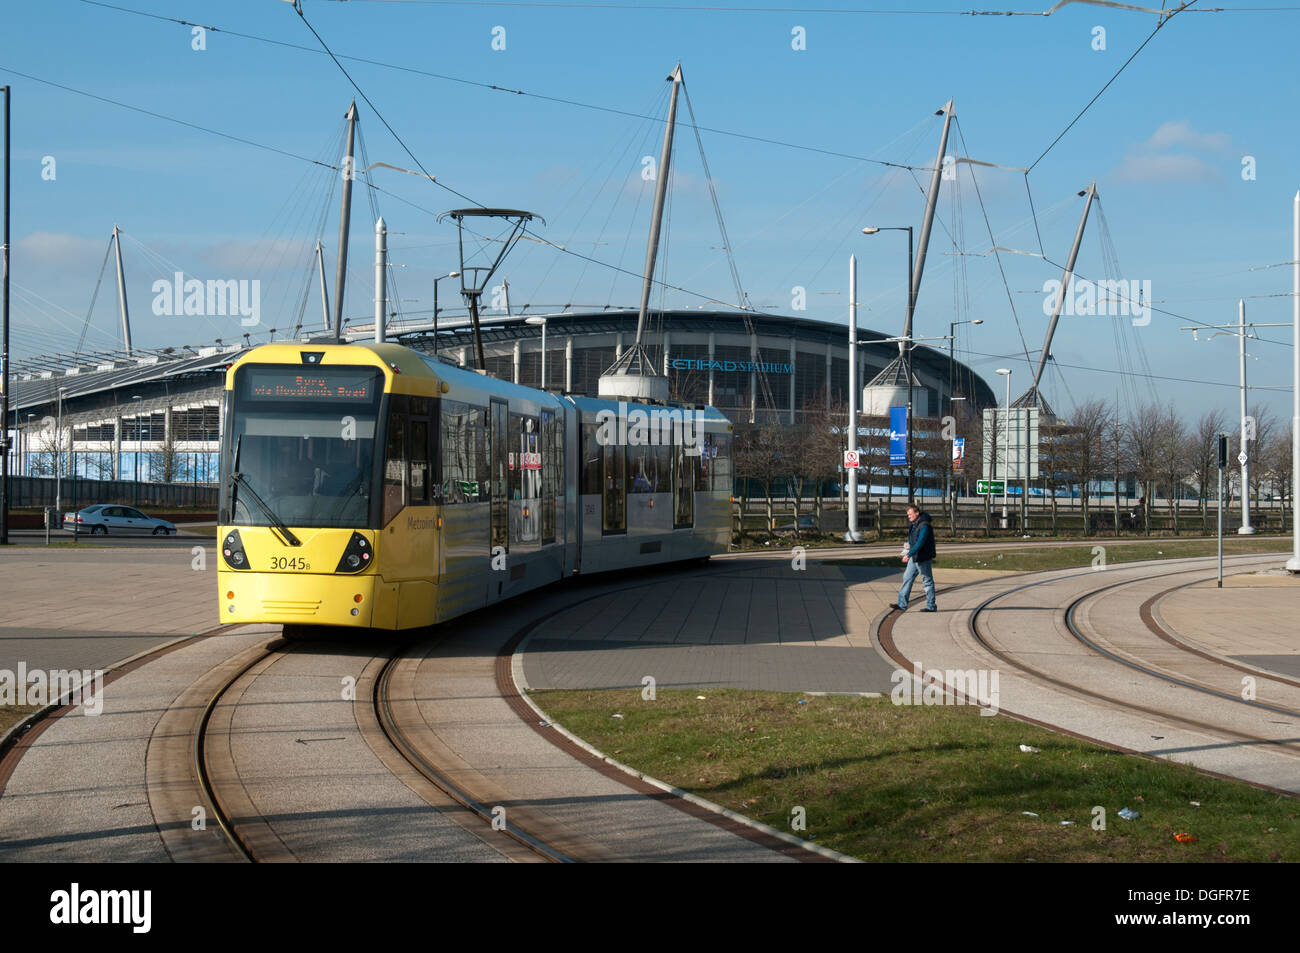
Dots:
pixel 315 385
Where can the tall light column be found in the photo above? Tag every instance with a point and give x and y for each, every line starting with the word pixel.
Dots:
pixel 1293 564
pixel 1006 446
pixel 853 536
pixel 1244 457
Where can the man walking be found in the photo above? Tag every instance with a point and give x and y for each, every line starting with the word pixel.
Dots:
pixel 919 557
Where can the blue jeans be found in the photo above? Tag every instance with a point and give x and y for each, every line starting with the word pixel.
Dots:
pixel 927 581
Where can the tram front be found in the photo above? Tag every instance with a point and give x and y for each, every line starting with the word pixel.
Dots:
pixel 299 516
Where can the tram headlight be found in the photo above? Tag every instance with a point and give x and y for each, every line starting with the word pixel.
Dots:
pixel 232 551
pixel 358 555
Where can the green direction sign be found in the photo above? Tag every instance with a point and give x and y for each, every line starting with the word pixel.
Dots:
pixel 985 487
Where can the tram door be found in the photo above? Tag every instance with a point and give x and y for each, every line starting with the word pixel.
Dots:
pixel 683 487
pixel 552 467
pixel 614 488
pixel 500 504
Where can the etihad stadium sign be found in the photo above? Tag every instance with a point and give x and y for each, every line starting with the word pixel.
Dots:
pixel 693 364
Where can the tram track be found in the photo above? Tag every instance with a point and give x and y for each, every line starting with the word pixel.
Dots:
pixel 984 636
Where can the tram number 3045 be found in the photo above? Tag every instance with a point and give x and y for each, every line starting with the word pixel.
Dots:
pixel 289 562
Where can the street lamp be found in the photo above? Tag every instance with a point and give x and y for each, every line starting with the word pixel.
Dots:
pixel 24 462
pixel 952 343
pixel 1006 447
pixel 139 448
pixel 542 321
pixel 58 461
pixel 450 274
pixel 905 348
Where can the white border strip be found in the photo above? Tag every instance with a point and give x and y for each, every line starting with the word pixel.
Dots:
pixel 522 687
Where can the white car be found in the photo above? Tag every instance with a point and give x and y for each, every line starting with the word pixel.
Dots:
pixel 109 518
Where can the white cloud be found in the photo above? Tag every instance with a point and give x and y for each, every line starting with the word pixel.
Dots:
pixel 1166 169
pixel 59 249
pixel 1179 133
pixel 252 258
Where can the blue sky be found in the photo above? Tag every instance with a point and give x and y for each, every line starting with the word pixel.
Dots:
pixel 1165 143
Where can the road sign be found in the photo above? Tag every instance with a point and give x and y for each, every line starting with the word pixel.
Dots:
pixel 985 487
pixel 851 459
pixel 1242 458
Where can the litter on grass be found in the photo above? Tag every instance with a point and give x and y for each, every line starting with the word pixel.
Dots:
pixel 1030 749
pixel 616 716
pixel 1129 814
pixel 1029 813
pixel 1184 838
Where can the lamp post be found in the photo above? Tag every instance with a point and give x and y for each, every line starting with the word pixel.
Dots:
pixel 952 344
pixel 139 448
pixel 535 321
pixel 450 274
pixel 1006 446
pixel 58 460
pixel 26 447
pixel 905 347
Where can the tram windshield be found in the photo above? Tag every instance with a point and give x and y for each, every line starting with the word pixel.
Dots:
pixel 303 443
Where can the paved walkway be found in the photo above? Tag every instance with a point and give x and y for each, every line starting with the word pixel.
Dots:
pixel 83 607
pixel 1048 675
pixel 1254 618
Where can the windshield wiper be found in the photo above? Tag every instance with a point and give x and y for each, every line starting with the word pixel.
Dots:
pixel 237 478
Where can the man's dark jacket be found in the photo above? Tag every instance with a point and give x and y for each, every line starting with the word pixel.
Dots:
pixel 920 539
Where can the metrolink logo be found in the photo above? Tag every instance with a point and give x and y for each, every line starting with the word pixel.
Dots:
pixel 639 427
pixel 1104 298
pixel 967 687
pixel 39 687
pixel 211 298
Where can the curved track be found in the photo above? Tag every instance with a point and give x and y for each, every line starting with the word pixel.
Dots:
pixel 1090 642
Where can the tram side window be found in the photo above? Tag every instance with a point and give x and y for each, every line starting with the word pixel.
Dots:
pixel 525 450
pixel 464 452
pixel 482 472
pixel 590 461
pixel 722 479
pixel 704 471
pixel 419 483
pixel 395 459
pixel 651 469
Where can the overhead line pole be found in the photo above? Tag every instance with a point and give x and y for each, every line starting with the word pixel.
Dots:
pixel 345 220
pixel 4 348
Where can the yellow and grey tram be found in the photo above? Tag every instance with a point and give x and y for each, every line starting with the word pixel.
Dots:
pixel 370 485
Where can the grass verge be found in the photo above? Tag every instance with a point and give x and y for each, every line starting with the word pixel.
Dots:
pixel 926 783
pixel 10 715
pixel 1027 559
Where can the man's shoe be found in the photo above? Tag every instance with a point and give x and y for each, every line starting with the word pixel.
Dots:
pixel 928 609
pixel 895 605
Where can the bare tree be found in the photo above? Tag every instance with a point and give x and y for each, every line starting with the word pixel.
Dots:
pixel 1264 425
pixel 1082 451
pixel 1203 459
pixel 1145 447
pixel 757 453
pixel 1171 443
pixel 1276 456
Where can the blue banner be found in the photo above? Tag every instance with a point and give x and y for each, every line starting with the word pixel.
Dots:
pixel 898 436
